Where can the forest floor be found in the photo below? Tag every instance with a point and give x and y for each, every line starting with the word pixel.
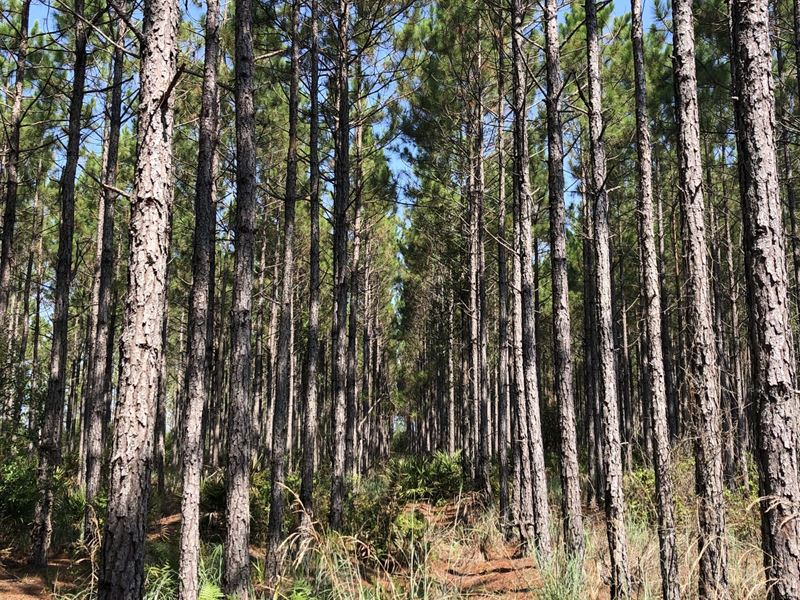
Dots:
pixel 485 568
pixel 19 581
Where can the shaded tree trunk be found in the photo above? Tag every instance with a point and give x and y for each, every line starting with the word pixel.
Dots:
pixel 541 512
pixel 13 158
pixel 614 501
pixel 200 313
pixel 50 442
pixel 703 373
pixel 654 368
pixel 237 473
pixel 341 196
pixel 280 423
pixel 311 389
pixel 562 334
pixel 98 372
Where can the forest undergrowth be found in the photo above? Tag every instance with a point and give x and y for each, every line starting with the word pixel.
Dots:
pixel 413 530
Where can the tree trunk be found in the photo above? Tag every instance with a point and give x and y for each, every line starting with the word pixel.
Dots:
pixel 654 371
pixel 703 372
pixel 237 472
pixel 13 158
pixel 50 442
pixel 541 511
pixel 191 447
pixel 95 400
pixel 606 377
pixel 341 196
pixel 122 573
pixel 311 389
pixel 503 385
pixel 773 361
pixel 280 424
pixel 562 334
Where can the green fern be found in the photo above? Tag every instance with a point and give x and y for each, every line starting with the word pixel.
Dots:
pixel 210 591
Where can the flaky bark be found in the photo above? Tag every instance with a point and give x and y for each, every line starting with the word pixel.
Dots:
pixel 703 373
pixel 541 512
pixel 562 346
pixel 199 313
pixel 50 442
pixel 341 195
pixel 122 573
pixel 237 472
pixel 280 422
pixel 310 419
pixel 614 501
pixel 654 372
pixel 773 361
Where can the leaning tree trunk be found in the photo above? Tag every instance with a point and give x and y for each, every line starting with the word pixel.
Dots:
pixel 96 379
pixel 122 573
pixel 703 374
pixel 562 350
pixel 311 386
pixel 280 425
pixel 50 442
pixel 237 471
pixel 654 372
pixel 191 444
pixel 541 511
pixel 13 158
pixel 614 501
pixel 773 365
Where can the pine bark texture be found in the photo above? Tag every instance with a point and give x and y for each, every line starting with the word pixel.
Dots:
pixel 200 307
pixel 237 472
pixel 614 501
pixel 312 359
pixel 562 335
pixel 13 159
pixel 122 572
pixel 703 372
pixel 541 512
pixel 341 196
pixel 773 360
pixel 654 369
pixel 280 434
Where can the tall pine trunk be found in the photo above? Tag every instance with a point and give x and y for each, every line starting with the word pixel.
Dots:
pixel 98 372
pixel 614 501
pixel 237 471
pixel 200 307
pixel 703 373
pixel 122 573
pixel 340 200
pixel 312 359
pixel 13 158
pixel 280 422
pixel 773 361
pixel 524 243
pixel 654 370
pixel 50 442
pixel 562 334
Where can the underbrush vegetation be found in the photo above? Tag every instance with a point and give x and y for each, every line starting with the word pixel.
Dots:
pixel 414 530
